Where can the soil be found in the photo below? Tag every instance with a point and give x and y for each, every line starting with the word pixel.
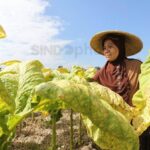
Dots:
pixel 34 133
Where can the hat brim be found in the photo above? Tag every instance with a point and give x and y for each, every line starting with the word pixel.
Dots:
pixel 2 32
pixel 133 44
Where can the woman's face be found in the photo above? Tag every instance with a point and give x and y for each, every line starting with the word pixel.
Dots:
pixel 110 50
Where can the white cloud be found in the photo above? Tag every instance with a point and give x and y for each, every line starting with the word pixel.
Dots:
pixel 31 34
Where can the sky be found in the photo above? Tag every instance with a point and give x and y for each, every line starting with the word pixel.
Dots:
pixel 58 32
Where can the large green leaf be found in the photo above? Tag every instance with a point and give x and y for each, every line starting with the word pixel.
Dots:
pixel 17 81
pixel 141 99
pixel 114 128
pixel 6 104
pixel 29 76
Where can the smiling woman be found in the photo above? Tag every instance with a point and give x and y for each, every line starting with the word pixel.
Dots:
pixel 2 32
pixel 111 51
pixel 120 73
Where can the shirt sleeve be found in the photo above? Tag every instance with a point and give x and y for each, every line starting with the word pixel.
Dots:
pixel 96 76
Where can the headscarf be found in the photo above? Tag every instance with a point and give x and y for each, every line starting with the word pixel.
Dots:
pixel 113 75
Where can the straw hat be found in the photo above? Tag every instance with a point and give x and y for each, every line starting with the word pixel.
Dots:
pixel 2 32
pixel 133 44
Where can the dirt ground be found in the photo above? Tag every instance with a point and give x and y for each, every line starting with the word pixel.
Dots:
pixel 35 134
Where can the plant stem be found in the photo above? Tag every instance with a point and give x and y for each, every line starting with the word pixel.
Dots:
pixel 80 128
pixel 53 133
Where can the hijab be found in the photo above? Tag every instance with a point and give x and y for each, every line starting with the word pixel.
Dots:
pixel 114 75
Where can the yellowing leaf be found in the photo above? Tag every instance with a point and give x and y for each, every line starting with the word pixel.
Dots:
pixel 63 70
pixel 10 62
pixel 2 32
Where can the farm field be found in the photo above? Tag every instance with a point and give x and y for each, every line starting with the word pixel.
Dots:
pixel 35 134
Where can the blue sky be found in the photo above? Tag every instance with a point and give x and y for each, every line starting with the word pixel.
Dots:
pixel 58 32
pixel 83 18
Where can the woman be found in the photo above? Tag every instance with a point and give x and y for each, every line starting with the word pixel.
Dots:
pixel 120 73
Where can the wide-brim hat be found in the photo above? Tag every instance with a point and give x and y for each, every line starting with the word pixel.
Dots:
pixel 133 44
pixel 2 32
